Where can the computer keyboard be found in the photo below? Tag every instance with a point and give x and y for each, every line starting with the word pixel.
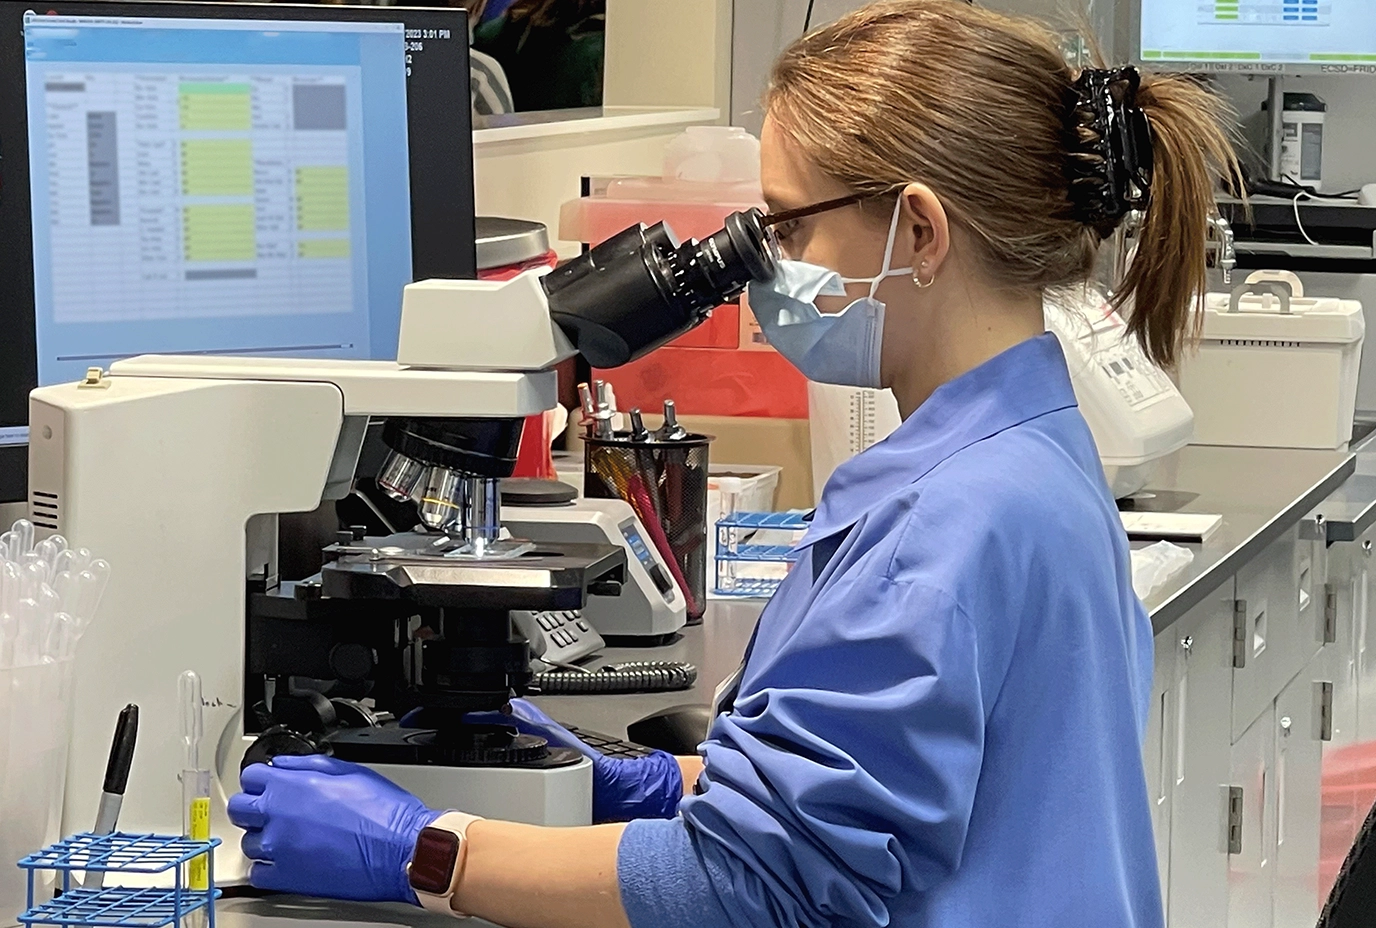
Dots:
pixel 606 744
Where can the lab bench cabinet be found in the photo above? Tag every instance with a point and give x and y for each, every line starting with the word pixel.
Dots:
pixel 1241 705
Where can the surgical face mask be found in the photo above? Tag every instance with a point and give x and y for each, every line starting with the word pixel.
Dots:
pixel 841 348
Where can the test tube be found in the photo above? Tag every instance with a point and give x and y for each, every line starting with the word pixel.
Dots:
pixel 9 545
pixel 9 611
pixel 49 605
pixel 23 530
pixel 63 562
pixel 81 559
pixel 195 785
pixel 32 577
pixel 48 551
pixel 90 586
pixel 59 644
pixel 11 585
pixel 27 641
pixel 64 584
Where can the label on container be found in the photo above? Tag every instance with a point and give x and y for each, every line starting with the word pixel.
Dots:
pixel 198 875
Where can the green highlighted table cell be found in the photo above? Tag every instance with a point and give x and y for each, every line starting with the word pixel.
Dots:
pixel 219 232
pixel 217 167
pixel 322 248
pixel 1211 56
pixel 213 106
pixel 322 199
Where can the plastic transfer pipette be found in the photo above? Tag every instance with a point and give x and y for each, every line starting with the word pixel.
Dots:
pixel 195 783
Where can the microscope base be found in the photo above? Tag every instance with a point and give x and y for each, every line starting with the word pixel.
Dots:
pixel 549 796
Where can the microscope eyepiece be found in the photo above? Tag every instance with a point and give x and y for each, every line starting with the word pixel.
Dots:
pixel 641 289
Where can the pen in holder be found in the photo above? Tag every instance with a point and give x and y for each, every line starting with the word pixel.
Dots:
pixel 665 481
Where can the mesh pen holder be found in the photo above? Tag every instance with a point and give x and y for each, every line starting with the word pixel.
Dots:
pixel 665 482
pixel 121 906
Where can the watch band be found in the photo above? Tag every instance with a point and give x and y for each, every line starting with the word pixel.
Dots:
pixel 456 823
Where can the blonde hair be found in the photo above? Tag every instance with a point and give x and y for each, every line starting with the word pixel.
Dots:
pixel 977 105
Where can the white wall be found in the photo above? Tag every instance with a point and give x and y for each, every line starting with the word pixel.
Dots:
pixel 763 28
pixel 669 53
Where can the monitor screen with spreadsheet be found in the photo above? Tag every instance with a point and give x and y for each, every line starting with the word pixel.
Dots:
pixel 222 178
pixel 1260 35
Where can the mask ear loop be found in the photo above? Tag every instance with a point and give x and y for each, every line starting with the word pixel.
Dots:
pixel 888 249
pixel 886 273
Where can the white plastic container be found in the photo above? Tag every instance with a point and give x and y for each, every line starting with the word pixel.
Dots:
pixel 35 731
pixel 1275 369
pixel 740 488
pixel 1136 415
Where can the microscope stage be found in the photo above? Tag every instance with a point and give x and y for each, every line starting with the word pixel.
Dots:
pixel 544 577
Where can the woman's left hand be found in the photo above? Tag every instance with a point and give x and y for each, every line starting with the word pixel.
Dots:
pixel 324 827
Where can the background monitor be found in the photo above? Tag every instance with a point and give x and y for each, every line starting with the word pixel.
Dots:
pixel 255 179
pixel 1276 36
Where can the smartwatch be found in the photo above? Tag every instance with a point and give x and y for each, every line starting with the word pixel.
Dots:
pixel 437 863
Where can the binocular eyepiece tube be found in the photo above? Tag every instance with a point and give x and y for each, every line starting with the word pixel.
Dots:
pixel 641 288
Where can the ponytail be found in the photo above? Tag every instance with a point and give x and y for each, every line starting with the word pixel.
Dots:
pixel 1192 153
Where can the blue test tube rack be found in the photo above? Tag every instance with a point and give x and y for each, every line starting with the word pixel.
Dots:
pixel 121 906
pixel 735 547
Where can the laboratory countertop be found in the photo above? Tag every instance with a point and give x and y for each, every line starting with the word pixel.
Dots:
pixel 1260 493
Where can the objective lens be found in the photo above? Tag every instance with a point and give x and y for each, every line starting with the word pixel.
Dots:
pixel 482 517
pixel 400 476
pixel 443 499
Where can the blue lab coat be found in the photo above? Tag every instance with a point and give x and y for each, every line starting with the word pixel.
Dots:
pixel 942 724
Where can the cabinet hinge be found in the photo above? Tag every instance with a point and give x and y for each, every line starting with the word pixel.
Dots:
pixel 1330 614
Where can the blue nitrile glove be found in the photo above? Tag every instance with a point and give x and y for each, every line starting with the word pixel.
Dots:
pixel 317 826
pixel 623 788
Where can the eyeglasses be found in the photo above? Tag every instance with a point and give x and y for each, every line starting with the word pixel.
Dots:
pixel 826 206
pixel 774 221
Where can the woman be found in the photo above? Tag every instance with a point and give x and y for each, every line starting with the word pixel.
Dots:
pixel 940 719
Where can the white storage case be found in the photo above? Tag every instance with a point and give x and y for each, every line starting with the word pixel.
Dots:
pixel 1275 369
pixel 1134 412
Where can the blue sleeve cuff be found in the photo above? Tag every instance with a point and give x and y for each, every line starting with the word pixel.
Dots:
pixel 664 883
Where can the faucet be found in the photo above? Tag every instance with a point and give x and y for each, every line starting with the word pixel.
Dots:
pixel 1223 244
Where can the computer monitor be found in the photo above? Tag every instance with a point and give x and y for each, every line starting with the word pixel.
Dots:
pixel 256 179
pixel 1258 36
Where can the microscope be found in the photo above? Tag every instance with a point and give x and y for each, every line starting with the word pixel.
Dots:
pixel 178 468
